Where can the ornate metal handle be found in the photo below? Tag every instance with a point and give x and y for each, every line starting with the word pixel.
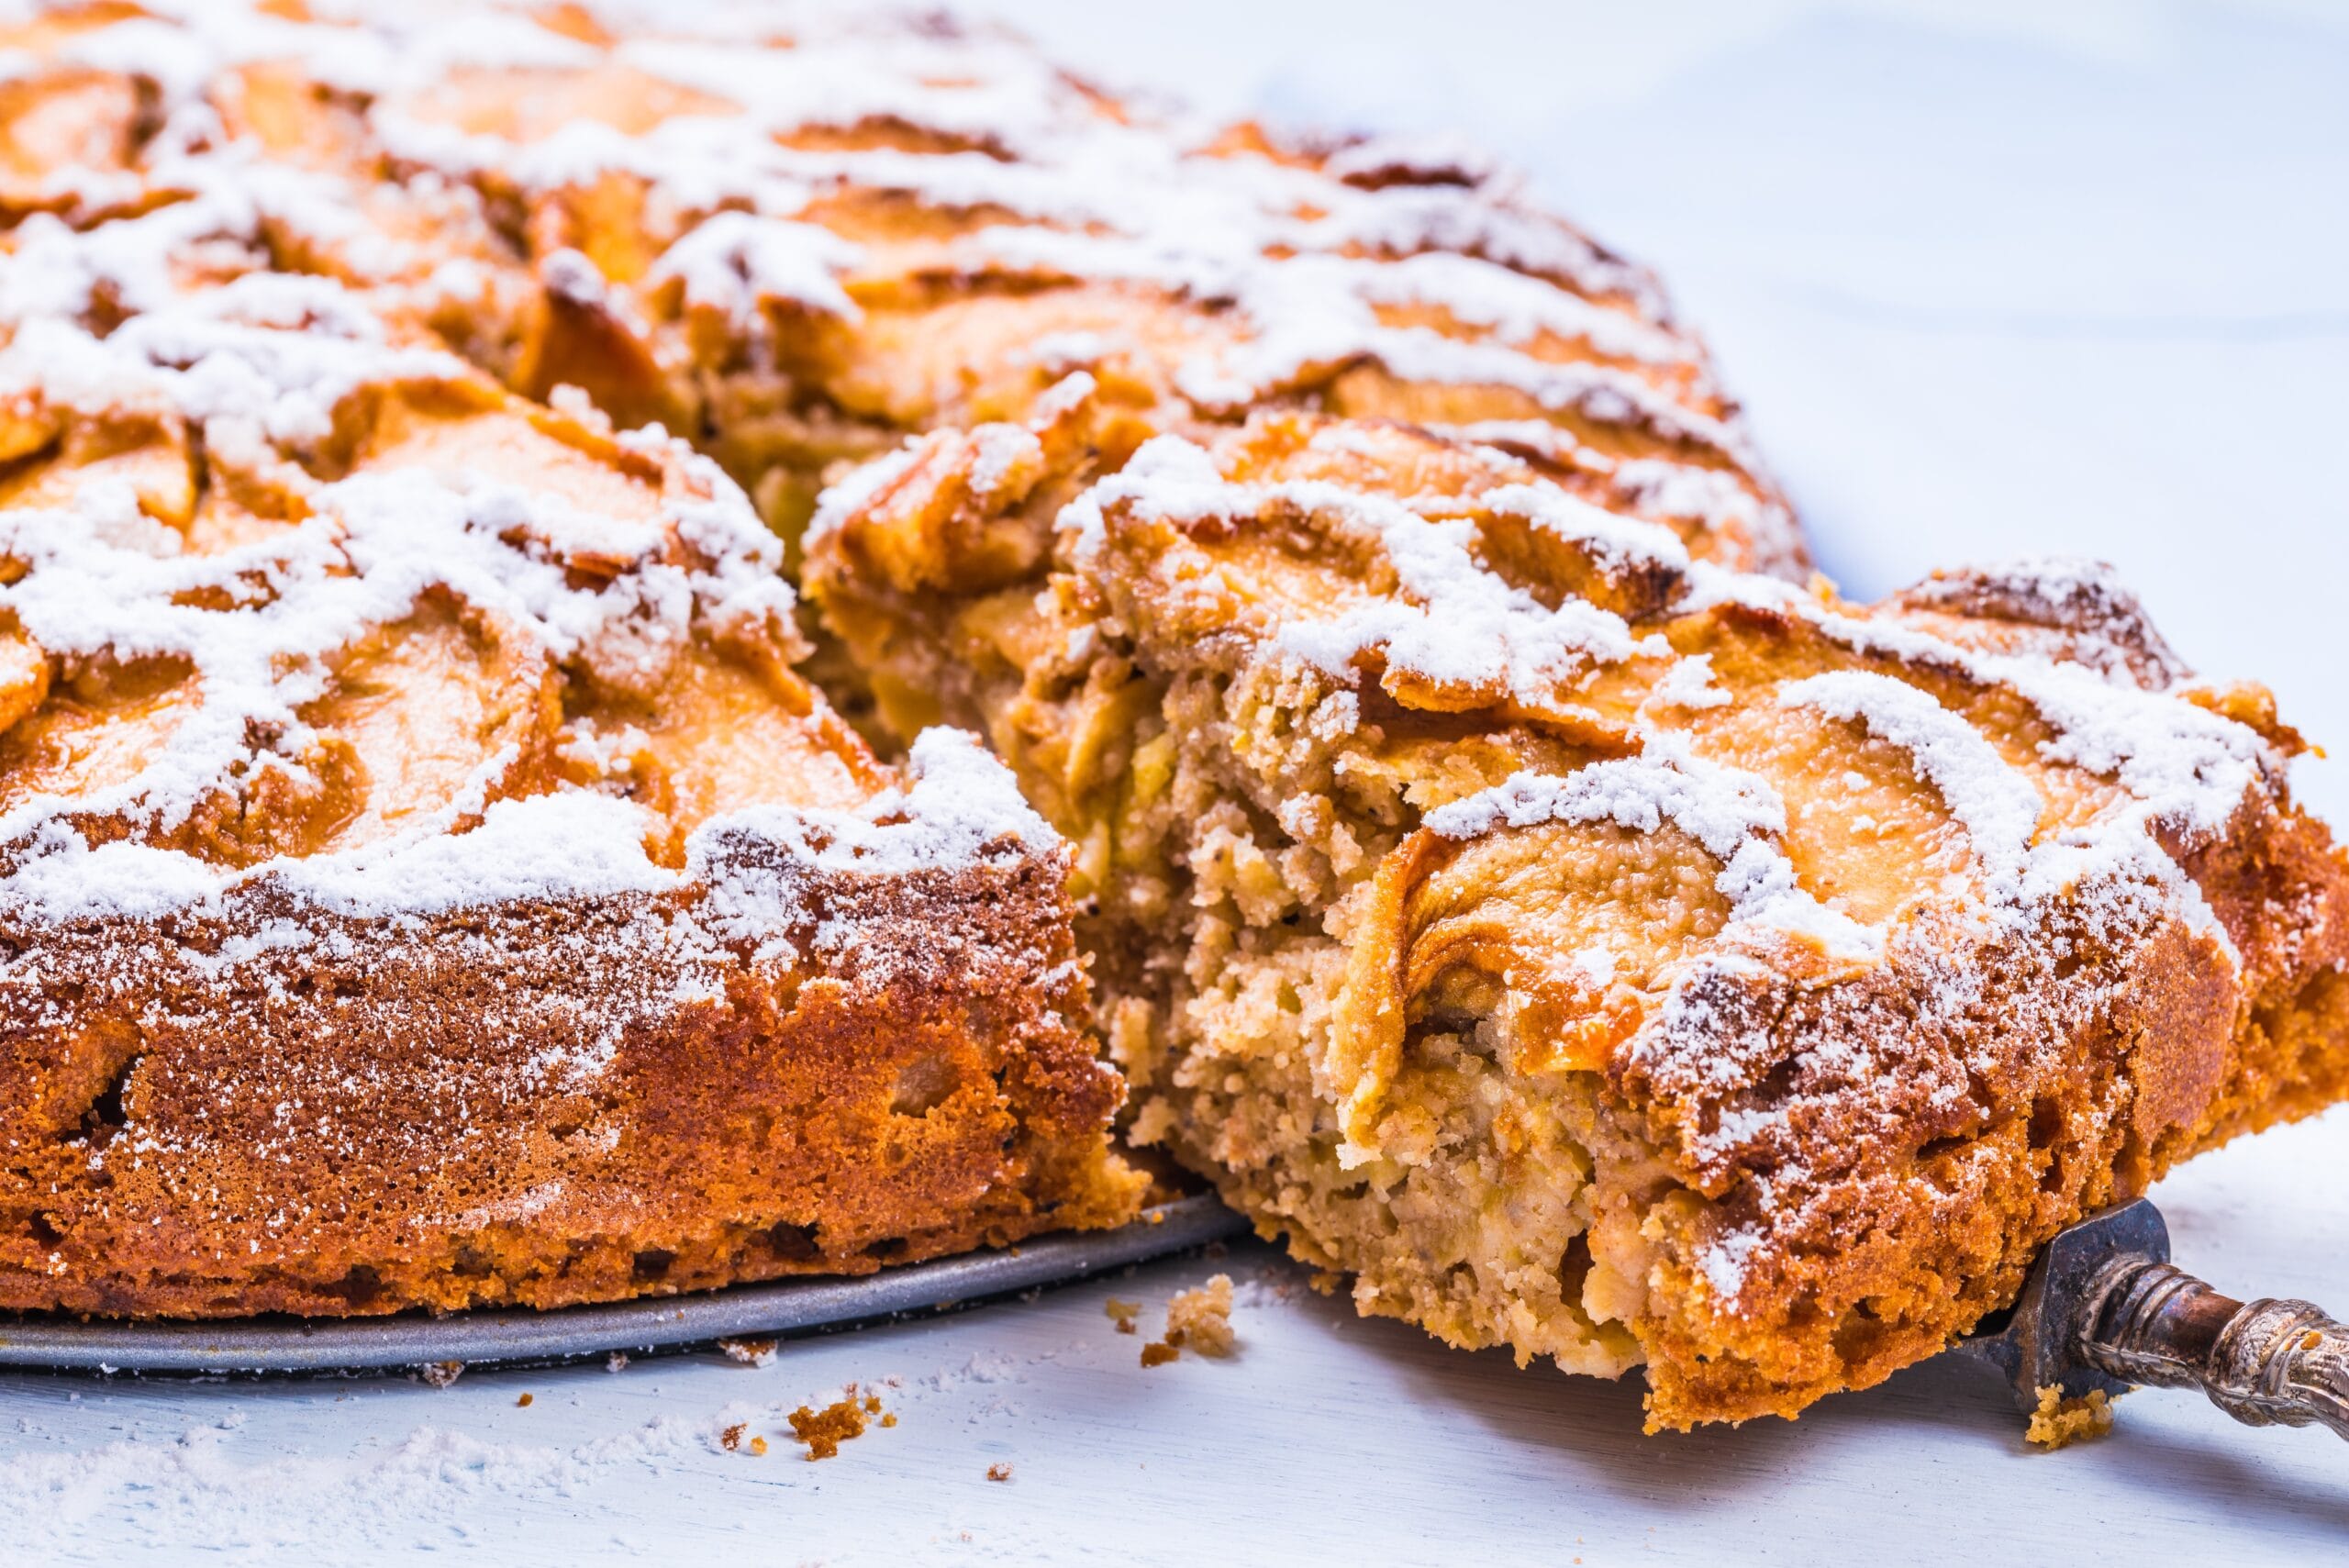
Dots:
pixel 2270 1361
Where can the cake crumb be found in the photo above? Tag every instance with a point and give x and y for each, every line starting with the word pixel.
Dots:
pixel 998 1472
pixel 872 1404
pixel 731 1438
pixel 1201 1318
pixel 525 1401
pixel 2060 1422
pixel 888 1419
pixel 1325 1282
pixel 824 1431
pixel 748 1352
pixel 1123 1313
pixel 1158 1353
pixel 758 1447
pixel 439 1374
pixel 616 1362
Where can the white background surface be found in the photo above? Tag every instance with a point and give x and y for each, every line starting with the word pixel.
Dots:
pixel 1994 279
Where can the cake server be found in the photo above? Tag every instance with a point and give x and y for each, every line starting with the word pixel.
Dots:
pixel 2105 1308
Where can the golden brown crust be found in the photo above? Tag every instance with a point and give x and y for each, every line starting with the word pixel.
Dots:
pixel 2009 1129
pixel 449 1116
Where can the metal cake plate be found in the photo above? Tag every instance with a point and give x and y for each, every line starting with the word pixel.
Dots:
pixel 523 1336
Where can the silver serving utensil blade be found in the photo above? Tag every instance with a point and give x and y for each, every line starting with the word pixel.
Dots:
pixel 2104 1309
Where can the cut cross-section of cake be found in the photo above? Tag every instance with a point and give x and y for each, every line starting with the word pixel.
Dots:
pixel 426 881
pixel 1591 951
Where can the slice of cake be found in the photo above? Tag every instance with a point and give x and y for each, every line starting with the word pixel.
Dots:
pixel 425 880
pixel 1588 950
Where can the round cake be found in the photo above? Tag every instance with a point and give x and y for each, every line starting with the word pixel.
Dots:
pixel 430 879
pixel 442 860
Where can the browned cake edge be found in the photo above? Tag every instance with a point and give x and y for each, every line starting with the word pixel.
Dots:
pixel 1926 1235
pixel 436 1111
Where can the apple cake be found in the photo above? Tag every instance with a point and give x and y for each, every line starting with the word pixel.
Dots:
pixel 425 879
pixel 430 873
pixel 431 881
pixel 1591 950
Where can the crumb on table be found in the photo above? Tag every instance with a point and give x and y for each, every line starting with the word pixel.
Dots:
pixel 730 1439
pixel 1201 1318
pixel 824 1431
pixel 524 1401
pixel 748 1352
pixel 998 1472
pixel 1123 1313
pixel 439 1374
pixel 2060 1422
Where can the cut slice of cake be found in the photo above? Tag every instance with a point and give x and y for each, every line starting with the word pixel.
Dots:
pixel 1588 950
pixel 425 880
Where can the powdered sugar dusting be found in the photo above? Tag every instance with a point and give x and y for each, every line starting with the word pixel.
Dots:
pixel 959 808
pixel 566 845
pixel 1718 806
pixel 1454 622
pixel 2001 810
pixel 266 369
pixel 1420 257
pixel 734 263
pixel 1737 816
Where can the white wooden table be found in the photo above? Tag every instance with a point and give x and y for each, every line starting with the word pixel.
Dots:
pixel 2071 283
pixel 1326 1439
